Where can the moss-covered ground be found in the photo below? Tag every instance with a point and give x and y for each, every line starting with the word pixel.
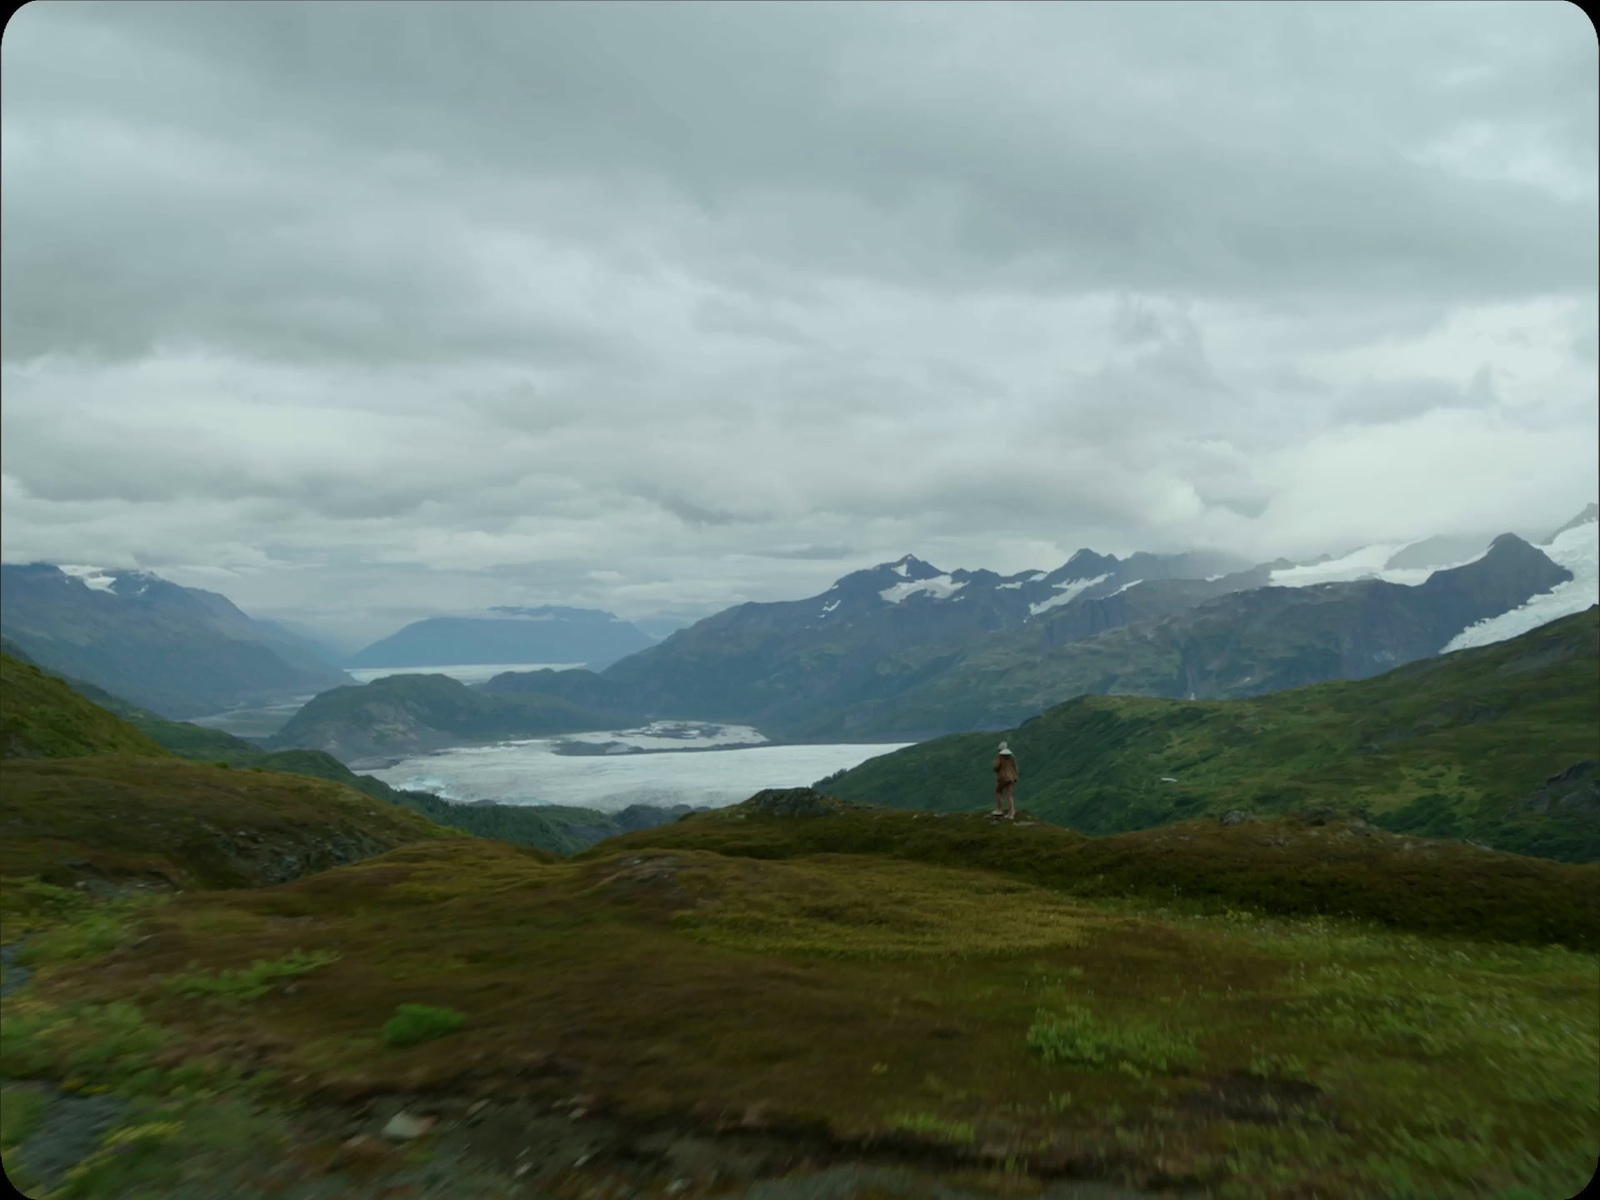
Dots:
pixel 121 819
pixel 871 1002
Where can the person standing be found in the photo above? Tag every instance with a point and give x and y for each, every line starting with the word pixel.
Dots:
pixel 1005 781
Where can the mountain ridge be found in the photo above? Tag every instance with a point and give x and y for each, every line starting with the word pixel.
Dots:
pixel 179 651
pixel 517 635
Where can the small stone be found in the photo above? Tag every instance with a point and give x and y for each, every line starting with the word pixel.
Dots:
pixel 476 1107
pixel 522 1170
pixel 676 1186
pixel 403 1127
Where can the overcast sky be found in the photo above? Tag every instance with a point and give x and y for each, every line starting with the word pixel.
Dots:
pixel 359 312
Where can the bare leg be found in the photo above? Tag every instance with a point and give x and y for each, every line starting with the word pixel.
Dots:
pixel 997 808
pixel 1011 800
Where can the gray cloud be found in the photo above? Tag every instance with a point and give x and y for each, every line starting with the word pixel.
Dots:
pixel 373 309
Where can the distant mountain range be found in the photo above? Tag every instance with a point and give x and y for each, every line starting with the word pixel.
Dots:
pixel 179 651
pixel 905 651
pixel 899 651
pixel 548 634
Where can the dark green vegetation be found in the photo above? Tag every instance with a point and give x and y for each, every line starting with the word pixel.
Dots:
pixel 413 1023
pixel 1465 745
pixel 163 822
pixel 1292 866
pixel 525 635
pixel 860 980
pixel 179 651
pixel 41 717
pixel 401 715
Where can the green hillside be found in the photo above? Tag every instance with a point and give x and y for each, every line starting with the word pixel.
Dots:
pixel 1463 745
pixel 41 717
pixel 163 822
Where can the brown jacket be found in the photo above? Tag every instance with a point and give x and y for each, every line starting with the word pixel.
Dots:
pixel 1005 769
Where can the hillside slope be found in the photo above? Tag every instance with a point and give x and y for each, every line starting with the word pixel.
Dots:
pixel 1468 744
pixel 178 651
pixel 41 717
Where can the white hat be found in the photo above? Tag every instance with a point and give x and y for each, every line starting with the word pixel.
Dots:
pixel 1004 749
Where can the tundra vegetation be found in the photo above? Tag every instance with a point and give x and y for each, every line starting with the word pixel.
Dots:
pixel 1300 1004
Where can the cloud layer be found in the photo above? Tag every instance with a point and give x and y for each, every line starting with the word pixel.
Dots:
pixel 361 311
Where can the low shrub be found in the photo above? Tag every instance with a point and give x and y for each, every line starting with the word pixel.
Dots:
pixel 414 1023
pixel 1073 1036
pixel 929 1126
pixel 249 982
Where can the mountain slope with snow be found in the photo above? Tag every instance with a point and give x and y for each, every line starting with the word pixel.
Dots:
pixel 1577 548
pixel 1244 642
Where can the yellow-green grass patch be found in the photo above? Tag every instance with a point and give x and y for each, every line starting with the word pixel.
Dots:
pixel 1325 1054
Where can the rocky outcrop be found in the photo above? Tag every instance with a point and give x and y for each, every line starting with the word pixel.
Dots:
pixel 1575 790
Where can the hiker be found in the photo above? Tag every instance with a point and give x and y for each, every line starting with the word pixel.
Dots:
pixel 1005 779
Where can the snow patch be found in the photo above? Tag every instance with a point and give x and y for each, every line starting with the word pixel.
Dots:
pixel 828 608
pixel 1578 550
pixel 1066 592
pixel 95 577
pixel 1126 586
pixel 940 587
pixel 1032 575
pixel 1365 563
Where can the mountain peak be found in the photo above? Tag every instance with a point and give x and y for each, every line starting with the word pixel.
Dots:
pixel 1590 513
pixel 1085 564
pixel 912 567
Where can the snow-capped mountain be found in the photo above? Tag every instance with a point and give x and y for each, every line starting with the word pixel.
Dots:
pixel 1576 547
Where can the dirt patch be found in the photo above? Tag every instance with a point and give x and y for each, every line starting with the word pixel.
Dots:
pixel 571 1149
pixel 1250 1098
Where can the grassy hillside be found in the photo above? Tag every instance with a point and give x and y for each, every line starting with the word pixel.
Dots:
pixel 1288 866
pixel 631 1021
pixel 1457 746
pixel 122 818
pixel 41 717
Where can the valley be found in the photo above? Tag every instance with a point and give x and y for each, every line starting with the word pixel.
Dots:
pixel 1238 987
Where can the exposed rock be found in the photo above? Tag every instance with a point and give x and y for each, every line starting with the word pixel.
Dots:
pixel 1237 817
pixel 403 1127
pixel 1576 790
